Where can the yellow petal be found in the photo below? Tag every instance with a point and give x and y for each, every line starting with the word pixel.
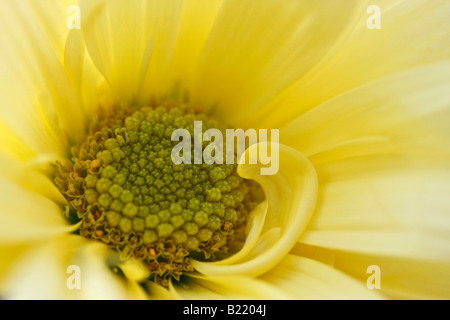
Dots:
pixel 36 275
pixel 156 292
pixel 98 282
pixel 400 278
pixel 29 177
pixel 196 20
pixel 8 256
pixel 40 106
pixel 303 278
pixel 293 278
pixel 229 287
pixel 134 270
pixel 87 82
pixel 404 244
pixel 132 43
pixel 291 199
pixel 404 113
pixel 257 48
pixel 412 34
pixel 45 272
pixel 28 216
pixel 384 212
pixel 382 155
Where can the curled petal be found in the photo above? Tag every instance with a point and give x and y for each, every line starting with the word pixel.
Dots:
pixel 382 155
pixel 276 224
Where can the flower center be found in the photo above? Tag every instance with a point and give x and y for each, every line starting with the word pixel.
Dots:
pixel 123 185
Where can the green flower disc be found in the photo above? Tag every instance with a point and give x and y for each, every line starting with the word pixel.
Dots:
pixel 123 186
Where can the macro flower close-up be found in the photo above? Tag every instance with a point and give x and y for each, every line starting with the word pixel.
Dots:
pixel 225 149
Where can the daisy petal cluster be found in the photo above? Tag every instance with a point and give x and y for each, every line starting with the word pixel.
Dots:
pixel 93 205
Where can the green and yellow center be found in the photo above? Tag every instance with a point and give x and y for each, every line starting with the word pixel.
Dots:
pixel 127 192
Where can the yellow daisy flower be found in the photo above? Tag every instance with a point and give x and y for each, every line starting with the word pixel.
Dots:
pixel 92 208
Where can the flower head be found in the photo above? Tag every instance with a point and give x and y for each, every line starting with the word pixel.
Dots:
pixel 93 94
